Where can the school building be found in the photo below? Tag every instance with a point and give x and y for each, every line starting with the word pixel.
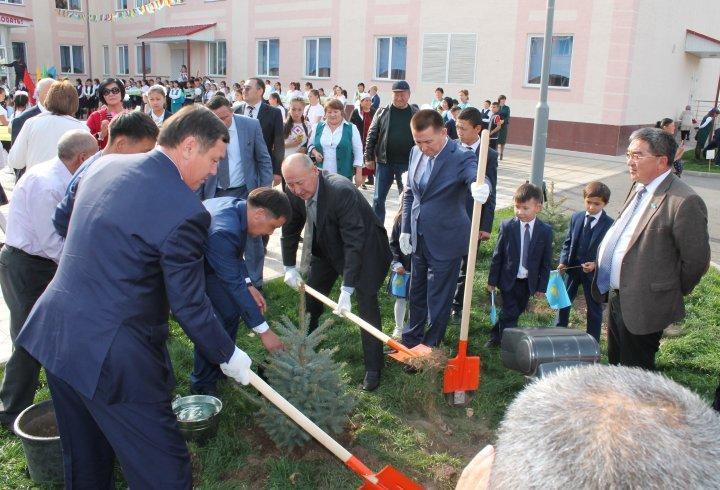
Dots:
pixel 616 64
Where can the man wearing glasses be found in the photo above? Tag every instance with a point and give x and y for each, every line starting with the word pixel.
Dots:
pixel 655 253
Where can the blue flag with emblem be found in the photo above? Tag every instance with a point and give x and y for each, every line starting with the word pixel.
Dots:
pixel 493 310
pixel 556 292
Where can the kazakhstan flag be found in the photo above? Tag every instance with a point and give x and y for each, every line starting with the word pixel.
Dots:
pixel 556 292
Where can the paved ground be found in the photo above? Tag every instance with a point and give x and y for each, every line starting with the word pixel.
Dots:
pixel 568 170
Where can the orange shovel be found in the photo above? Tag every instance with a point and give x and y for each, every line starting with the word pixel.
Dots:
pixel 387 479
pixel 462 374
pixel 403 354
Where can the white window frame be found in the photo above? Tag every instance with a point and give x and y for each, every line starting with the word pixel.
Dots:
pixel 138 59
pixel 72 64
pixel 69 7
pixel 106 59
pixel 123 58
pixel 317 57
pixel 530 37
pixel 447 58
pixel 217 64
pixel 267 65
pixel 389 78
pixel 7 2
pixel 119 5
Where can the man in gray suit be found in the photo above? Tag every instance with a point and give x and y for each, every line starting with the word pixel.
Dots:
pixel 655 253
pixel 246 166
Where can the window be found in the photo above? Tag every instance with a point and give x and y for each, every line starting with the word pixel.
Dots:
pixel 317 57
pixel 121 4
pixel 123 60
pixel 560 59
pixel 268 52
pixel 140 3
pixel 12 2
pixel 390 55
pixel 19 51
pixel 72 59
pixel 69 4
pixel 106 60
pixel 217 58
pixel 138 59
pixel 449 58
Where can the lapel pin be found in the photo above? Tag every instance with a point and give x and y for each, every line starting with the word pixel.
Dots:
pixel 653 205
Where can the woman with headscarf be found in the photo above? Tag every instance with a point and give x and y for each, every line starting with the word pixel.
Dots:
pixel 704 131
pixel 361 117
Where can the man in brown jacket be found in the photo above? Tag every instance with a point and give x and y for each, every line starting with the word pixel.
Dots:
pixel 655 253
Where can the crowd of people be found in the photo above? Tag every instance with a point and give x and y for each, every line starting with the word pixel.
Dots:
pixel 130 214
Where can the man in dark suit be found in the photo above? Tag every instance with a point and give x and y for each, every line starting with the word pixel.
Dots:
pixel 347 240
pixel 579 253
pixel 134 252
pixel 271 122
pixel 435 224
pixel 227 282
pixel 655 253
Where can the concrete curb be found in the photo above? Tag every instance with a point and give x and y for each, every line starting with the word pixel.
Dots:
pixel 714 264
pixel 696 173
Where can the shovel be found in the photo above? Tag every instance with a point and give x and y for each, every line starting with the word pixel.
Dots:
pixel 462 374
pixel 403 354
pixel 387 479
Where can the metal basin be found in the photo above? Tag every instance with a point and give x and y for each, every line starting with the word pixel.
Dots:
pixel 198 416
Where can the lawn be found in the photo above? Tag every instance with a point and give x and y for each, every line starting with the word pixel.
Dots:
pixel 405 422
pixel 691 163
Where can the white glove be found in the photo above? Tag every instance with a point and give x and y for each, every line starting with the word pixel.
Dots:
pixel 292 278
pixel 405 245
pixel 343 302
pixel 480 192
pixel 238 367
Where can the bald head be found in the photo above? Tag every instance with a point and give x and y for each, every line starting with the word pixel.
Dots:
pixel 42 88
pixel 301 175
pixel 76 146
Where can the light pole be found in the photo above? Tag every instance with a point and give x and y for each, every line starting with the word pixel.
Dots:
pixel 542 111
pixel 87 28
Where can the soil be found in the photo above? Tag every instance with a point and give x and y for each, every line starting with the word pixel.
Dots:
pixel 43 426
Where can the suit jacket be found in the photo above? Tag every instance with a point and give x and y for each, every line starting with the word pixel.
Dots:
pixel 506 257
pixel 568 254
pixel 224 251
pixel 439 213
pixel 18 122
pixel 358 122
pixel 271 122
pixel 257 166
pixel 668 254
pixel 134 252
pixel 347 233
pixel 488 210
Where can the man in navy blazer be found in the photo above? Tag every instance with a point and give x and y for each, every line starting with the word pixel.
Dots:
pixel 227 282
pixel 134 252
pixel 435 224
pixel 246 166
pixel 579 253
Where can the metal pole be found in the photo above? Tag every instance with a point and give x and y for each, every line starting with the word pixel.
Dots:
pixel 142 52
pixel 542 111
pixel 87 28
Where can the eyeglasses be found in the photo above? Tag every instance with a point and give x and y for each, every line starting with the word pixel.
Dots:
pixel 109 91
pixel 635 156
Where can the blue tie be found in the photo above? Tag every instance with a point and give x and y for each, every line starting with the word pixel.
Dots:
pixel 426 174
pixel 605 269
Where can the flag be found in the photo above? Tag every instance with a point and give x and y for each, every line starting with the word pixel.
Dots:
pixel 28 81
pixel 493 310
pixel 556 293
pixel 52 72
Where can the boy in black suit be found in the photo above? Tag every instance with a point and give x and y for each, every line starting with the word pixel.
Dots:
pixel 520 265
pixel 579 253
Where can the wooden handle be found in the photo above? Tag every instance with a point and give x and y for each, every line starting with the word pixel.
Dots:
pixel 474 234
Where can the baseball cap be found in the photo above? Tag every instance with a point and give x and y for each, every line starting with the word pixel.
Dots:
pixel 400 85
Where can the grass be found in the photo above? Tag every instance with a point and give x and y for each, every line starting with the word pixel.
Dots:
pixel 405 422
pixel 691 163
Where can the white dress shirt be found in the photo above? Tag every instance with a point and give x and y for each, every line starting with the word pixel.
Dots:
pixel 472 147
pixel 255 110
pixel 624 239
pixel 237 177
pixel 595 221
pixel 314 114
pixel 35 197
pixel 522 271
pixel 331 139
pixel 38 138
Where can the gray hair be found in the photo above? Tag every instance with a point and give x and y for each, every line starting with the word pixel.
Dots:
pixel 42 86
pixel 607 427
pixel 661 143
pixel 74 142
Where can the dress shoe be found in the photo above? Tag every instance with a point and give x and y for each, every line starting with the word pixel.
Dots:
pixel 492 344
pixel 204 391
pixel 371 381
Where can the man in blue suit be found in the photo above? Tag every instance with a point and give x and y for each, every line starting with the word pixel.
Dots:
pixel 246 166
pixel 134 252
pixel 435 224
pixel 227 283
pixel 579 253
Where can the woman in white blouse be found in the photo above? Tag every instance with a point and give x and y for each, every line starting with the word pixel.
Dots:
pixel 335 144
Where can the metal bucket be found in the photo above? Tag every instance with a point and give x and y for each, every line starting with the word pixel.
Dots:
pixel 198 416
pixel 37 428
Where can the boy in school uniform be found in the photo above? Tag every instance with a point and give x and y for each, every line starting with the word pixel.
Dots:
pixel 495 122
pixel 521 262
pixel 579 253
pixel 486 112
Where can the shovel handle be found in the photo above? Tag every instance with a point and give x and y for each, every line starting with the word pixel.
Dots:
pixel 474 234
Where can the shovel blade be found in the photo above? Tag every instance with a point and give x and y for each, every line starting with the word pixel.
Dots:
pixel 390 479
pixel 419 350
pixel 462 374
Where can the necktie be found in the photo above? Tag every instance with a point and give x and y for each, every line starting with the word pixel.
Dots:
pixel 605 268
pixel 223 173
pixel 250 111
pixel 525 246
pixel 426 174
pixel 585 240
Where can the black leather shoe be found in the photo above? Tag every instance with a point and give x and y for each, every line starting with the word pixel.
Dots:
pixel 204 391
pixel 492 344
pixel 371 381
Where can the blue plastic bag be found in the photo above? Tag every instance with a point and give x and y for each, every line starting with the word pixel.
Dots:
pixel 399 284
pixel 493 310
pixel 556 292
